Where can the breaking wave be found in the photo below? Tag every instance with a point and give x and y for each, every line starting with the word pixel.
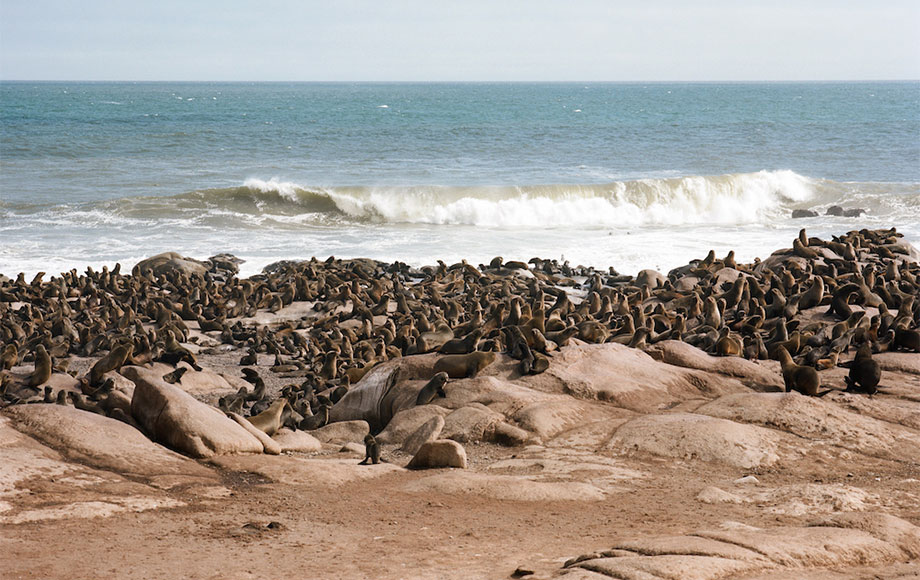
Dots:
pixel 765 197
pixel 725 199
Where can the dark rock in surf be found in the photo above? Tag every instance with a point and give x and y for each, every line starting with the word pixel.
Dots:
pixel 803 213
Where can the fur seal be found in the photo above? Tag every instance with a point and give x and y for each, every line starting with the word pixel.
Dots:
pixel 9 358
pixel 371 450
pixel 271 419
pixel 175 376
pixel 906 339
pixel 865 373
pixel 434 388
pixel 799 378
pixel 42 371
pixel 459 366
pixel 464 345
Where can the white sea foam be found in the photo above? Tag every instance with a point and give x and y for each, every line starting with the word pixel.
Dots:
pixel 285 189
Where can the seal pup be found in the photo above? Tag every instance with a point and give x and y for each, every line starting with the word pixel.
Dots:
pixel 798 378
pixel 865 373
pixel 175 376
pixel 371 450
pixel 434 388
pixel 459 366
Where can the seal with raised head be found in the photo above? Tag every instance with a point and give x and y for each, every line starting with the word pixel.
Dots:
pixel 434 388
pixel 43 365
pixel 460 366
pixel 798 378
pixel 272 418
pixel 110 362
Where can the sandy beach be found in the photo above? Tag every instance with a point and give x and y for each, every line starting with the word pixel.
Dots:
pixel 591 425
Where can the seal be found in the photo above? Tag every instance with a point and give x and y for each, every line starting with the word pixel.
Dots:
pixel 865 373
pixel 813 295
pixel 459 366
pixel 175 376
pixel 9 358
pixel 463 345
pixel 798 378
pixel 906 339
pixel 728 344
pixel 273 418
pixel 42 371
pixel 371 450
pixel 434 388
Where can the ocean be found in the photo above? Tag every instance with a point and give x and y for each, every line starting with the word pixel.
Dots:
pixel 628 175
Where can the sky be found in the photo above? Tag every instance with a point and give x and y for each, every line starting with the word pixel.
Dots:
pixel 460 40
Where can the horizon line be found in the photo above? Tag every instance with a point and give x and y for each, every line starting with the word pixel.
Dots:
pixel 633 81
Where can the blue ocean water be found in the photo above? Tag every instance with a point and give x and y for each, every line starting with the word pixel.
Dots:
pixel 610 174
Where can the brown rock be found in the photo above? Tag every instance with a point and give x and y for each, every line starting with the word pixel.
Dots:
pixel 342 432
pixel 429 431
pixel 439 453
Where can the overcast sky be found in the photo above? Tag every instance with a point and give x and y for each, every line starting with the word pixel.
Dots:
pixel 487 40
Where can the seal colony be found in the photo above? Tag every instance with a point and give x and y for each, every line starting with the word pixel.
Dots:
pixel 808 307
pixel 331 382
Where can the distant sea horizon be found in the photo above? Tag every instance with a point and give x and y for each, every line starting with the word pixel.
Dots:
pixel 627 174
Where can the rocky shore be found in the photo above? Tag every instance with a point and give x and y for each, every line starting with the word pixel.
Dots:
pixel 351 418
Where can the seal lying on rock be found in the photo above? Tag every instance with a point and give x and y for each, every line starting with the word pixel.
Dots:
pixel 273 418
pixel 434 388
pixel 459 366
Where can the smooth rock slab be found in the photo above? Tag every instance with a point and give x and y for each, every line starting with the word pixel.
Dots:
pixel 470 423
pixel 818 420
pixel 99 441
pixel 630 378
pixel 656 567
pixel 763 377
pixel 843 541
pixel 690 436
pixel 506 487
pixel 176 419
pixel 812 547
pixel 407 422
pixel 293 470
pixel 297 441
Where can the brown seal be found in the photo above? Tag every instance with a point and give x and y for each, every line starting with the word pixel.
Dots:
pixel 42 371
pixel 434 388
pixel 463 345
pixel 798 378
pixel 865 373
pixel 459 366
pixel 371 450
pixel 271 419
